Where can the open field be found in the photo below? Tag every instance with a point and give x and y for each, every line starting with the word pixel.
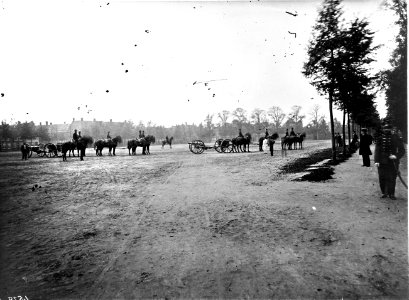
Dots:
pixel 175 224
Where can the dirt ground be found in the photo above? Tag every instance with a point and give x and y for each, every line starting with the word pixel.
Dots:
pixel 178 225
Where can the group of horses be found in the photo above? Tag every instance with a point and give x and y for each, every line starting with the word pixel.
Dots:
pixel 293 141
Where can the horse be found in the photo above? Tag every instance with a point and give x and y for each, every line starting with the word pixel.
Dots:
pixel 110 143
pixel 298 140
pixel 287 141
pixel 167 141
pixel 25 151
pixel 81 145
pixel 273 137
pixel 240 141
pixel 142 142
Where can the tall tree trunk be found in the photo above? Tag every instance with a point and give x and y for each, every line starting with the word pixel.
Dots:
pixel 331 117
pixel 343 133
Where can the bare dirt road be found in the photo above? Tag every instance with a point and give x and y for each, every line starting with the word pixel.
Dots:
pixel 178 225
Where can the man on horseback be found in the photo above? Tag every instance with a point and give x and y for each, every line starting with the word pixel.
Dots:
pixel 108 136
pixel 79 135
pixel 292 133
pixel 143 134
pixel 266 134
pixel 75 137
pixel 286 132
pixel 240 134
pixel 140 134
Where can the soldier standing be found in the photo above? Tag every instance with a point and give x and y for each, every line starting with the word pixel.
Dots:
pixel 364 150
pixel 389 149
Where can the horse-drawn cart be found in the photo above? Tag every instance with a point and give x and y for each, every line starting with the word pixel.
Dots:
pixel 47 150
pixel 221 146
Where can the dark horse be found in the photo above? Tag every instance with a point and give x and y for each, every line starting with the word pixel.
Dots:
pixel 110 143
pixel 81 145
pixel 167 141
pixel 298 140
pixel 273 137
pixel 142 142
pixel 240 141
pixel 288 142
pixel 25 151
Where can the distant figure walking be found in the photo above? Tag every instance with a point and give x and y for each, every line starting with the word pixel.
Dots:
pixel 364 150
pixel 389 149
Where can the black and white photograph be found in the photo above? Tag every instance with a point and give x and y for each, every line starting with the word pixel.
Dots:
pixel 203 149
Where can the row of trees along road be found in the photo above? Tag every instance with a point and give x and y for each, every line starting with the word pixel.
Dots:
pixel 339 57
pixel 223 125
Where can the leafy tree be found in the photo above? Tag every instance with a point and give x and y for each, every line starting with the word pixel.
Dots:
pixel 27 130
pixel 43 133
pixel 277 115
pixel 240 117
pixel 323 51
pixel 6 130
pixel 395 79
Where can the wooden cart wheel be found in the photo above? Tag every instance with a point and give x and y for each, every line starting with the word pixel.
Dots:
pixel 227 146
pixel 30 153
pixel 40 150
pixel 197 147
pixel 218 145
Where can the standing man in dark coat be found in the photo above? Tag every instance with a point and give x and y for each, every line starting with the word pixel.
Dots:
pixel 389 149
pixel 364 150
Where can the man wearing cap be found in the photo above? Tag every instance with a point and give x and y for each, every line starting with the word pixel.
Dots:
pixel 364 150
pixel 75 137
pixel 389 149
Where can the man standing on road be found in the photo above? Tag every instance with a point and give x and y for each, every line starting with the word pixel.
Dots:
pixel 366 141
pixel 389 149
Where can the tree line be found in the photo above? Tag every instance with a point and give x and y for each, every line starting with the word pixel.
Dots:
pixel 222 125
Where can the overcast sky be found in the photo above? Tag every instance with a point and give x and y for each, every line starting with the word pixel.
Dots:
pixel 132 60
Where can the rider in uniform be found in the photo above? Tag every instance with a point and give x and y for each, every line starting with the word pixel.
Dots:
pixel 389 149
pixel 108 136
pixel 292 133
pixel 240 134
pixel 266 134
pixel 286 132
pixel 75 137
pixel 143 134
